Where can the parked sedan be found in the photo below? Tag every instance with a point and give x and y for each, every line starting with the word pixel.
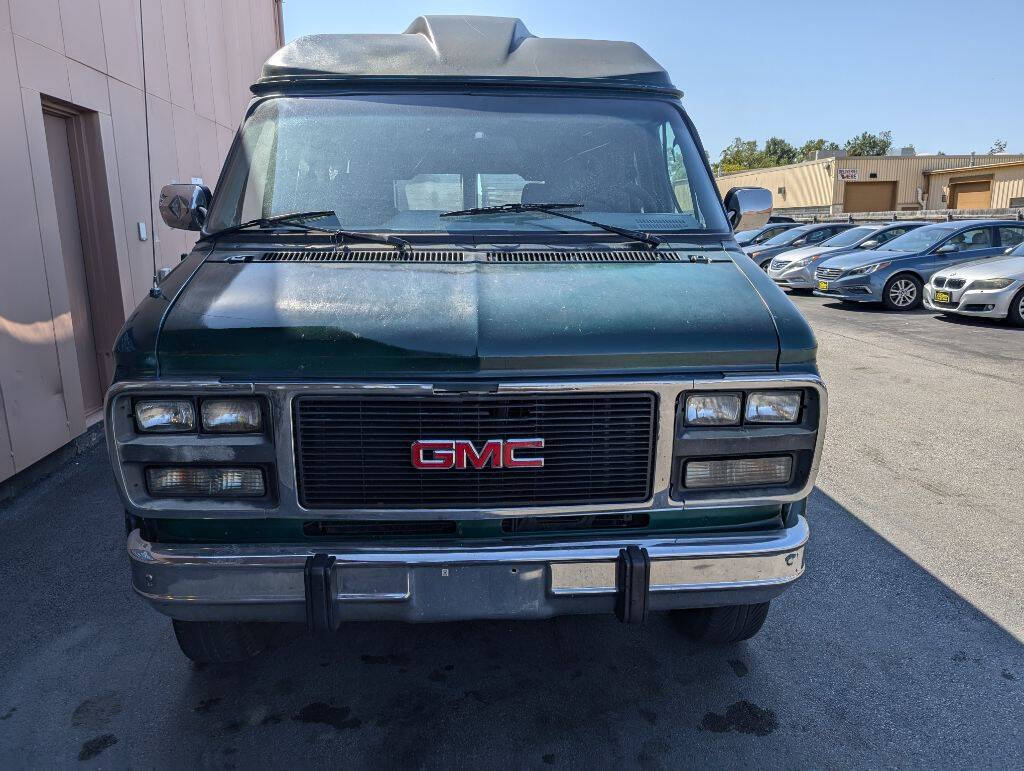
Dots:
pixel 763 233
pixel 992 288
pixel 803 235
pixel 897 274
pixel 795 269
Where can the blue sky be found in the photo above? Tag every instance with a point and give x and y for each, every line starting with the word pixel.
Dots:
pixel 940 74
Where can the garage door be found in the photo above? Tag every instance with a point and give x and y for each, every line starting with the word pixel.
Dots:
pixel 869 196
pixel 971 195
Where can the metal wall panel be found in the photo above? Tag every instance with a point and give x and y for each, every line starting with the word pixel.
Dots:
pixel 200 57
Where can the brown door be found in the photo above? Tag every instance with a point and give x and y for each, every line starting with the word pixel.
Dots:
pixel 869 196
pixel 972 195
pixel 89 366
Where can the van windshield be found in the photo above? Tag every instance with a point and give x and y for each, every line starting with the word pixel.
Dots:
pixel 395 163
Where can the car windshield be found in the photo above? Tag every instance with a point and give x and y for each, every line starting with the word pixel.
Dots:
pixel 921 239
pixel 849 237
pixel 786 237
pixel 395 163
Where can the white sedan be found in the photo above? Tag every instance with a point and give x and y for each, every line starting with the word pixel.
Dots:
pixel 992 288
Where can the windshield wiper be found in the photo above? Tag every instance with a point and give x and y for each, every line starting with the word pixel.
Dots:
pixel 553 209
pixel 294 219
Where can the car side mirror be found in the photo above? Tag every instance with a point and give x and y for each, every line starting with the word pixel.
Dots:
pixel 748 207
pixel 185 207
pixel 870 244
pixel 947 249
pixel 799 242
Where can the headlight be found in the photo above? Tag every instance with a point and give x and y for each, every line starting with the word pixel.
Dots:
pixel 165 415
pixel 194 482
pixel 865 269
pixel 738 472
pixel 773 407
pixel 991 283
pixel 805 261
pixel 231 416
pixel 713 409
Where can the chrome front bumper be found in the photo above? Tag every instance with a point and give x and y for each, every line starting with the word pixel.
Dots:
pixel 431 583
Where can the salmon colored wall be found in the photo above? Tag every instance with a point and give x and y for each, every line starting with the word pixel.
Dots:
pixel 200 57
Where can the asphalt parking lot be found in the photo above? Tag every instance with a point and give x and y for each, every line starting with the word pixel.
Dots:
pixel 902 646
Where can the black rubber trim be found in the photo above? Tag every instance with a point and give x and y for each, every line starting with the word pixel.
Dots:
pixel 633 584
pixel 318 574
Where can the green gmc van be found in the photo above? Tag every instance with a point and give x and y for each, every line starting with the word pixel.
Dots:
pixel 465 335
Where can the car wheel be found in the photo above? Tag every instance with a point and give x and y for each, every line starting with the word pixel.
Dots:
pixel 219 642
pixel 903 292
pixel 726 624
pixel 1016 314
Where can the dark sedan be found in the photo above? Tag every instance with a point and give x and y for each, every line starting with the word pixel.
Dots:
pixel 763 233
pixel 802 235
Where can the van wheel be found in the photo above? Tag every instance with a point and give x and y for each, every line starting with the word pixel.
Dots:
pixel 219 642
pixel 1016 314
pixel 726 624
pixel 903 292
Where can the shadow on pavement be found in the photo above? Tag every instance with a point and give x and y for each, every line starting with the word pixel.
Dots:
pixel 868 660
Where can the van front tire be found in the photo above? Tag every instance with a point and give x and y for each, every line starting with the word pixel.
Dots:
pixel 722 625
pixel 219 642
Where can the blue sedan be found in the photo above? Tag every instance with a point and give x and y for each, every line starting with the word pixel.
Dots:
pixel 896 275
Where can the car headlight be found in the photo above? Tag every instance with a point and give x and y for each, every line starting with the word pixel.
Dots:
pixel 231 416
pixel 865 269
pixel 991 283
pixel 201 482
pixel 713 409
pixel 165 415
pixel 805 261
pixel 773 407
pixel 738 472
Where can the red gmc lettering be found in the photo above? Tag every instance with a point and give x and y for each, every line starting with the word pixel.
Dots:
pixel 510 460
pixel 441 454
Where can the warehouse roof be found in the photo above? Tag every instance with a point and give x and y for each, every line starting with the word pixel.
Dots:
pixel 467 49
pixel 977 167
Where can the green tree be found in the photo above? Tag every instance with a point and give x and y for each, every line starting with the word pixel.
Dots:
pixel 867 143
pixel 739 155
pixel 778 152
pixel 811 146
pixel 999 146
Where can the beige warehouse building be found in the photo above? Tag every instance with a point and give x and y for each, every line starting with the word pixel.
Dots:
pixel 836 184
pixel 77 78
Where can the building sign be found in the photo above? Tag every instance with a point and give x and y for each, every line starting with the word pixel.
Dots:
pixel 848 175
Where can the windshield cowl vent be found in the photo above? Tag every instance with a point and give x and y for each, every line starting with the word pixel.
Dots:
pixel 455 256
pixel 582 256
pixel 361 255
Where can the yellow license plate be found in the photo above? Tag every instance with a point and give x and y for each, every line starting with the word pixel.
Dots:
pixel 822 286
pixel 942 297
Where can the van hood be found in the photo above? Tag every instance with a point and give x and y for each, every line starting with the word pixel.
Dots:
pixel 288 320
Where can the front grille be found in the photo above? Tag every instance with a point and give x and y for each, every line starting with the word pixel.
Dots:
pixel 778 264
pixel 939 281
pixel 956 283
pixel 355 452
pixel 828 273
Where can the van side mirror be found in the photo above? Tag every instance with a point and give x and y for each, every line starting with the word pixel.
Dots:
pixel 869 244
pixel 748 207
pixel 947 249
pixel 185 207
